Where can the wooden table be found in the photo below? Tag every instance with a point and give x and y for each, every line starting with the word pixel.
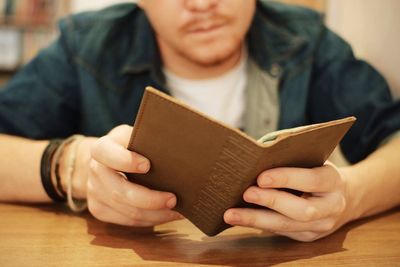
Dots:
pixel 52 236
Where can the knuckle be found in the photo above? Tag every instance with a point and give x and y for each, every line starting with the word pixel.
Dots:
pixel 93 192
pixel 272 201
pixel 308 237
pixel 285 226
pixel 309 214
pixel 125 127
pixel 154 200
pixel 147 203
pixel 128 163
pixel 311 237
pixel 96 147
pixel 315 182
pixel 147 199
pixel 93 166
pixel 135 214
pixel 90 187
pixel 122 127
pixel 283 181
pixel 327 225
pixel 117 197
pixel 95 209
pixel 77 184
pixel 250 220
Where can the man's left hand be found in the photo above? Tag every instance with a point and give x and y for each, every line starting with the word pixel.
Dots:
pixel 323 208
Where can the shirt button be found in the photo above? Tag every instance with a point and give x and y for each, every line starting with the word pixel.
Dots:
pixel 267 121
pixel 275 70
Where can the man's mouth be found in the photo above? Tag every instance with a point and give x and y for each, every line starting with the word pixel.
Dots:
pixel 205 25
pixel 204 28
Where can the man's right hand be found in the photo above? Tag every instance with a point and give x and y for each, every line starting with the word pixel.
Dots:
pixel 111 197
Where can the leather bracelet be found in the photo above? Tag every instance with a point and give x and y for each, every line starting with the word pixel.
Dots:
pixel 45 170
pixel 56 163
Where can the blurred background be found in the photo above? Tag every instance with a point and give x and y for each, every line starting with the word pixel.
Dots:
pixel 372 27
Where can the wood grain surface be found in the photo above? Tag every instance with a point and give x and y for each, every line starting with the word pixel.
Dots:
pixel 52 236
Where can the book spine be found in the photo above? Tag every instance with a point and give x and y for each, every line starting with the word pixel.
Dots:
pixel 225 183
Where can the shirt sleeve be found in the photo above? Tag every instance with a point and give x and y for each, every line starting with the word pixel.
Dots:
pixel 41 100
pixel 345 86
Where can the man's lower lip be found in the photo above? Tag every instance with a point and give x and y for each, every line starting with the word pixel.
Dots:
pixel 205 30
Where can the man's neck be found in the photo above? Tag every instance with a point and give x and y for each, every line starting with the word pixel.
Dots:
pixel 188 69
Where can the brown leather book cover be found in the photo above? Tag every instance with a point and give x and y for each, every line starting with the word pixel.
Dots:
pixel 209 165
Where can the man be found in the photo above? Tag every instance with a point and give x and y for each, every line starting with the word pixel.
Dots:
pixel 257 66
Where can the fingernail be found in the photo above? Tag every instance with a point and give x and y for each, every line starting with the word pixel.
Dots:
pixel 265 181
pixel 251 195
pixel 233 217
pixel 171 202
pixel 143 166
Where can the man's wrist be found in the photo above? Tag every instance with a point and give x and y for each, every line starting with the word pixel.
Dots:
pixel 81 167
pixel 354 193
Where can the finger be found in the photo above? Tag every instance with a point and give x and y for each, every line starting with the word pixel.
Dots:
pixel 295 207
pixel 264 219
pixel 274 222
pixel 315 180
pixel 121 134
pixel 137 214
pixel 120 190
pixel 108 210
pixel 112 154
pixel 107 214
pixel 301 236
pixel 149 217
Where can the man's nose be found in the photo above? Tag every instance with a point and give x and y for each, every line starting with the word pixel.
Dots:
pixel 200 5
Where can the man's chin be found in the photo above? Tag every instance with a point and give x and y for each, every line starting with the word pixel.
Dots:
pixel 209 63
pixel 210 59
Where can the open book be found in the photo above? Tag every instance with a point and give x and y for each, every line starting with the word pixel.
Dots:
pixel 209 165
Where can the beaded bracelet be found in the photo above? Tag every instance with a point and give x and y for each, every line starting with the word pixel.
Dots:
pixel 56 163
pixel 74 205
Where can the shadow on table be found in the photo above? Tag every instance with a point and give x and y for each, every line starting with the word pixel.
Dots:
pixel 232 250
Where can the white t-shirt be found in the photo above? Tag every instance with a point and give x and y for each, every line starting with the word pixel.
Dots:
pixel 222 98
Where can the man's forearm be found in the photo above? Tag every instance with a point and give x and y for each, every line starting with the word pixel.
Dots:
pixel 20 169
pixel 374 183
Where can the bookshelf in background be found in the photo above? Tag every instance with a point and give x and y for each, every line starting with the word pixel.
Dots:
pixel 26 26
